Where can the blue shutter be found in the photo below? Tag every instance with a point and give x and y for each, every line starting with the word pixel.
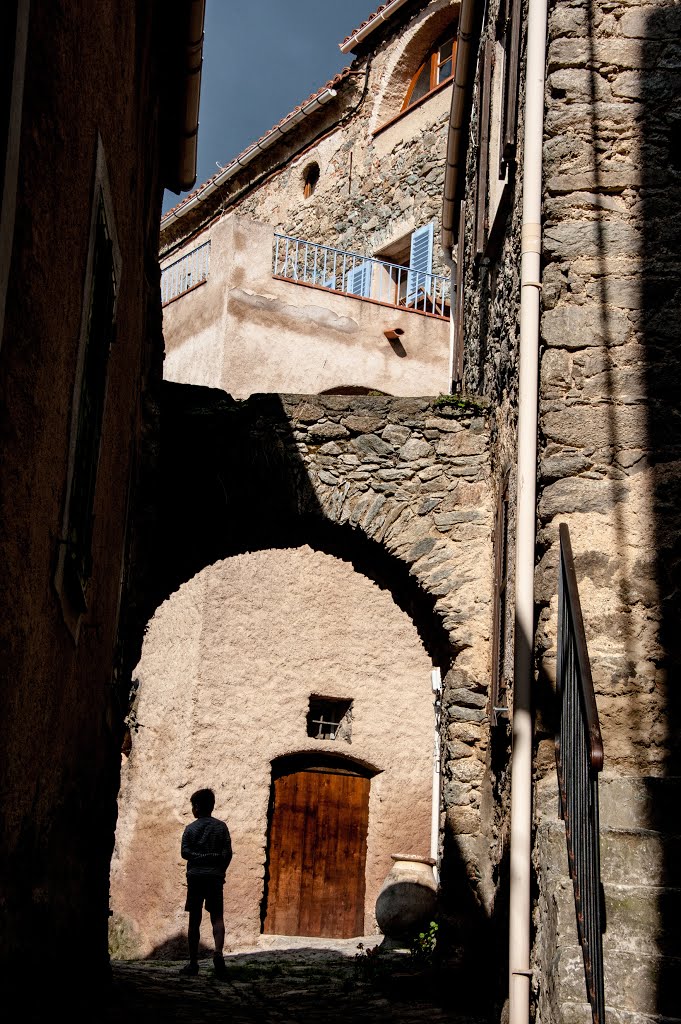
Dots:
pixel 358 280
pixel 420 265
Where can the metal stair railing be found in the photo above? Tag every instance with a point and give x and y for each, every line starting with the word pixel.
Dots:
pixel 579 759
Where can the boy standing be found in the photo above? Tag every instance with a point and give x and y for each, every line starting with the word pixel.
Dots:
pixel 207 848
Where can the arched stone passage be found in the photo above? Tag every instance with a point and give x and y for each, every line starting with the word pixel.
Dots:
pixel 409 475
pixel 398 488
pixel 229 666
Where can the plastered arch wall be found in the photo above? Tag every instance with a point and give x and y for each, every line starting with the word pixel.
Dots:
pixel 228 664
pixel 402 61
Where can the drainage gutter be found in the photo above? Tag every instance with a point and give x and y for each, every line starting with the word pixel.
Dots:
pixel 456 135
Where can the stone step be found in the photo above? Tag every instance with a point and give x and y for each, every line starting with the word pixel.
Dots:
pixel 639 919
pixel 625 802
pixel 650 803
pixel 638 857
pixel 580 1013
pixel 635 982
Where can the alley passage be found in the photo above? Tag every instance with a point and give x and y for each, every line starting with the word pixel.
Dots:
pixel 291 986
pixel 269 990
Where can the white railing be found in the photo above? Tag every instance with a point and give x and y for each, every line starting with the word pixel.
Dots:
pixel 362 276
pixel 185 273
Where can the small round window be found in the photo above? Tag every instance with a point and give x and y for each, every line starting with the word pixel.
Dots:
pixel 310 179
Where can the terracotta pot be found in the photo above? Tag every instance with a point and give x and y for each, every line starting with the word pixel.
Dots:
pixel 408 897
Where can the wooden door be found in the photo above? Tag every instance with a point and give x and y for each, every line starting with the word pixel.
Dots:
pixel 317 854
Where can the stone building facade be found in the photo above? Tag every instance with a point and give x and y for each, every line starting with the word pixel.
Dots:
pixel 353 170
pixel 91 129
pixel 608 457
pixel 607 443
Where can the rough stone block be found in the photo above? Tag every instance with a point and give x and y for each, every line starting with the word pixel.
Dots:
pixel 363 424
pixel 326 431
pixel 581 495
pixel 570 326
pixel 415 448
pixel 395 434
pixel 370 444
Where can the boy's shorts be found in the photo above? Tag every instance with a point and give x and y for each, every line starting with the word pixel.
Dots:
pixel 206 890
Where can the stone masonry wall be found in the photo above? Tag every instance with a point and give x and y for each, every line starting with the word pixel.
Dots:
pixel 609 367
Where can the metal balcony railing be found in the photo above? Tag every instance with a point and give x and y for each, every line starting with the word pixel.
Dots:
pixel 185 273
pixel 579 759
pixel 348 273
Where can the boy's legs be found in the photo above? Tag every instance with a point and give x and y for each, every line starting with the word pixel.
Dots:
pixel 193 934
pixel 194 907
pixel 218 922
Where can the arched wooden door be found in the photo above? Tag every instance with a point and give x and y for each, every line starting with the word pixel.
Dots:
pixel 317 850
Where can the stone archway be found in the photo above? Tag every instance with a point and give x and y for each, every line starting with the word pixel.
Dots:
pixel 400 486
pixel 233 667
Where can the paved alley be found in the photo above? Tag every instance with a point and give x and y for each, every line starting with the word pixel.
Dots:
pixel 303 981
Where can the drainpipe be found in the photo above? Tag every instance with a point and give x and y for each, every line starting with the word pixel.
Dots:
pixel 451 263
pixel 456 132
pixel 521 765
pixel 436 684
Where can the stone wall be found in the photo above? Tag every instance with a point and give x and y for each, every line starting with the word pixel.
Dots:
pixel 609 458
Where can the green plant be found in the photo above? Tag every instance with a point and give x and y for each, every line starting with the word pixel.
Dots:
pixel 462 402
pixel 422 946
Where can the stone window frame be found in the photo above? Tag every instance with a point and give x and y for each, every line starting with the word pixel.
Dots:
pixel 100 292
pixel 449 31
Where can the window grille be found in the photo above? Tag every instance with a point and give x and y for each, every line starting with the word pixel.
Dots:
pixel 329 719
pixel 185 273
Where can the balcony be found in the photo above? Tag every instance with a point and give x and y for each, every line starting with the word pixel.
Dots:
pixel 347 273
pixel 345 321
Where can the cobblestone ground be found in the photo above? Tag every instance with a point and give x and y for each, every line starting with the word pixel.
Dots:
pixel 301 983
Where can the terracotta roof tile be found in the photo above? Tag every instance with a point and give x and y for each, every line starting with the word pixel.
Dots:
pixel 364 23
pixel 336 80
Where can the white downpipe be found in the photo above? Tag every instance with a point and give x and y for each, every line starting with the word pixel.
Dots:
pixel 436 683
pixel 521 767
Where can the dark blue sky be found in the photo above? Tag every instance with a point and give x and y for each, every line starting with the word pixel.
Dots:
pixel 260 59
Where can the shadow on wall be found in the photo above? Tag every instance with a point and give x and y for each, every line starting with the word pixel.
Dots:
pixel 231 481
pixel 660 162
pixel 653 304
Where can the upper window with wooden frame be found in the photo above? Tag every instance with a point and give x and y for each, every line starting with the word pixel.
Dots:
pixel 97 333
pixel 437 68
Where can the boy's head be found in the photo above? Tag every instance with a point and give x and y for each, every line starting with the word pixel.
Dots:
pixel 203 802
